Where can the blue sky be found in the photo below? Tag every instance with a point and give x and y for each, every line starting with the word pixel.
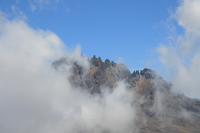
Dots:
pixel 127 30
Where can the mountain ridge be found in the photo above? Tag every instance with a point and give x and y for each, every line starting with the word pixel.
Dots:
pixel 163 110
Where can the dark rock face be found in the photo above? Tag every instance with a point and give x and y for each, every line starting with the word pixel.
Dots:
pixel 158 104
pixel 100 74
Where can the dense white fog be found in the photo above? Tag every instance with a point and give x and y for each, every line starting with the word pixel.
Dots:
pixel 34 97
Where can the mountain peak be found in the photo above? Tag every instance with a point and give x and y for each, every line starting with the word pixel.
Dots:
pixel 154 101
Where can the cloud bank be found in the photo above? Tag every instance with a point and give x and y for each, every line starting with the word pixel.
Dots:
pixel 182 57
pixel 34 97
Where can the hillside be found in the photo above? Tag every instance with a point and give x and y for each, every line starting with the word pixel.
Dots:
pixel 158 108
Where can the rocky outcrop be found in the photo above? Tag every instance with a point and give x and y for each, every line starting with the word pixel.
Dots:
pixel 101 75
pixel 162 110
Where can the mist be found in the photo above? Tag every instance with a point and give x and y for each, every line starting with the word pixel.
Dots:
pixel 35 97
pixel 181 55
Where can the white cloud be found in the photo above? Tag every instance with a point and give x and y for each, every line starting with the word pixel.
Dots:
pixel 32 7
pixel 120 60
pixel 187 16
pixel 34 97
pixel 44 4
pixel 17 13
pixel 183 56
pixel 26 76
